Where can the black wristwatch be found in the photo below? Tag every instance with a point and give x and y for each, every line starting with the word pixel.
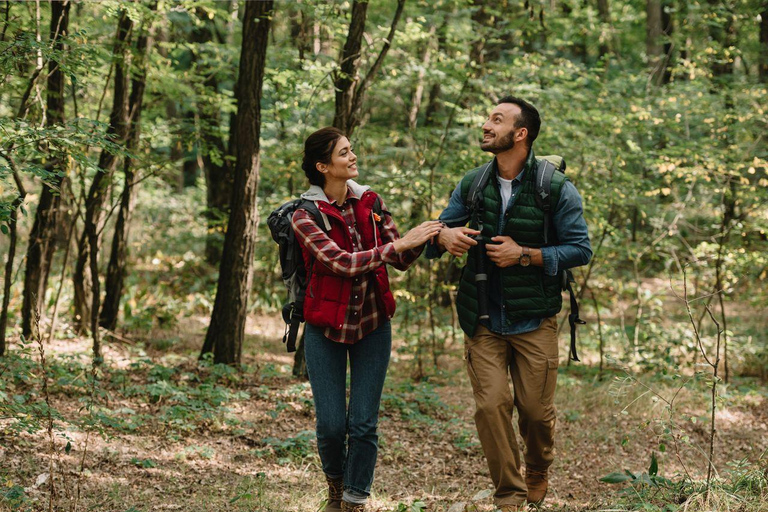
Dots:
pixel 525 258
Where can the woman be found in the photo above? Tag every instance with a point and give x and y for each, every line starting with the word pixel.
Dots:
pixel 347 309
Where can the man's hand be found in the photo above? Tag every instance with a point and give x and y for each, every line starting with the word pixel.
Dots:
pixel 505 252
pixel 457 241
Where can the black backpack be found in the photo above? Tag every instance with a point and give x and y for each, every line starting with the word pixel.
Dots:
pixel 547 167
pixel 294 273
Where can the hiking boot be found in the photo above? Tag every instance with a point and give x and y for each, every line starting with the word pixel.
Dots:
pixel 335 492
pixel 352 507
pixel 537 483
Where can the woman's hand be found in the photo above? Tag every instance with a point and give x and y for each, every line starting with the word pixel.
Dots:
pixel 418 235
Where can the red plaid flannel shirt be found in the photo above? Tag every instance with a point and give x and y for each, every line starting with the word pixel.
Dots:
pixel 363 313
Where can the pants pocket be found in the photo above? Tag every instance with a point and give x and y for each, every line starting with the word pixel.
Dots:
pixel 471 370
pixel 550 381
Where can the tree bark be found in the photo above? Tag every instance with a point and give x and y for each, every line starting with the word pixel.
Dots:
pixel 418 90
pixel 350 88
pixel 653 43
pixel 88 246
pixel 347 75
pixel 667 28
pixel 604 11
pixel 13 235
pixel 42 237
pixel 218 171
pixel 434 93
pixel 227 328
pixel 117 262
pixel 763 59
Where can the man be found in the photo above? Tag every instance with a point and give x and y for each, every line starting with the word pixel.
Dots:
pixel 524 290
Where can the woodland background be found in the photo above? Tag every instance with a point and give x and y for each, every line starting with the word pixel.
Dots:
pixel 143 144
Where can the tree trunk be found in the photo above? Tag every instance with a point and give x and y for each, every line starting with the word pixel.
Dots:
pixel 218 171
pixel 434 93
pixel 667 27
pixel 653 44
pixel 42 237
pixel 227 328
pixel 347 76
pixel 350 88
pixel 418 90
pixel 88 246
pixel 172 113
pixel 117 261
pixel 763 59
pixel 604 11
pixel 12 223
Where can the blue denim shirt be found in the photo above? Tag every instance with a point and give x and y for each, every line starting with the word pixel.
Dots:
pixel 573 247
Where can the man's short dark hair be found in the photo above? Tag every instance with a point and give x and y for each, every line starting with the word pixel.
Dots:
pixel 529 117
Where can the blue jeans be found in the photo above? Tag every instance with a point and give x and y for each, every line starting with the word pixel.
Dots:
pixel 355 458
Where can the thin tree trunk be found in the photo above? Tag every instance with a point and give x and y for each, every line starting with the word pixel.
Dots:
pixel 434 93
pixel 227 328
pixel 172 113
pixel 667 26
pixel 763 59
pixel 418 90
pixel 42 237
pixel 604 11
pixel 13 234
pixel 218 172
pixel 653 44
pixel 88 248
pixel 347 76
pixel 117 262
pixel 350 88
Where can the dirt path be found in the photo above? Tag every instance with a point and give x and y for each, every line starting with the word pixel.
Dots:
pixel 260 454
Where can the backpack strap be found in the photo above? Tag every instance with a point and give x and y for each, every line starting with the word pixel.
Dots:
pixel 543 183
pixel 294 316
pixel 544 172
pixel 475 196
pixel 573 317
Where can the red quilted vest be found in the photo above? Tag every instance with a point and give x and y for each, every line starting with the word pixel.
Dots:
pixel 327 297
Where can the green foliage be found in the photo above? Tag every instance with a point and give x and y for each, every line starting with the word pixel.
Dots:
pixel 415 506
pixel 297 447
pixel 416 403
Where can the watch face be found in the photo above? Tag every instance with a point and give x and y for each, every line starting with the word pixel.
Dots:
pixel 525 260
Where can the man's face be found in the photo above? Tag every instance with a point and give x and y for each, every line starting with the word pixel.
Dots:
pixel 499 132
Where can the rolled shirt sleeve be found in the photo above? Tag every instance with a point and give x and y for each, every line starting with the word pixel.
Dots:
pixel 574 248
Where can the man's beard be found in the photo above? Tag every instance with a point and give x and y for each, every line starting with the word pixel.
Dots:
pixel 499 146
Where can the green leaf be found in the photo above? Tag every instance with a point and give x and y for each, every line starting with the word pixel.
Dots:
pixel 653 470
pixel 616 478
pixel 68 448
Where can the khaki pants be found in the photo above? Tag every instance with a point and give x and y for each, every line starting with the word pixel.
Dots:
pixel 532 360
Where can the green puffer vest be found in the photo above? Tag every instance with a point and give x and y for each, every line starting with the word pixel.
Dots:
pixel 527 291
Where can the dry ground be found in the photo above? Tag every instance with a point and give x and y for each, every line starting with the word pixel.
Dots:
pixel 429 449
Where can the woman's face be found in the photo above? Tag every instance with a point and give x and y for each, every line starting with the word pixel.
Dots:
pixel 343 165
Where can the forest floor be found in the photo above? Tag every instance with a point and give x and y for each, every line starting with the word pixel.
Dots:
pixel 166 433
